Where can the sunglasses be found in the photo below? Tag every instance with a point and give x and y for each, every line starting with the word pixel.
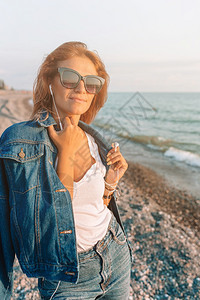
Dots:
pixel 70 79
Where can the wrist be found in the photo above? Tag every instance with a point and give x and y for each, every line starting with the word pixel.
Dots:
pixel 110 186
pixel 108 192
pixel 68 155
pixel 111 182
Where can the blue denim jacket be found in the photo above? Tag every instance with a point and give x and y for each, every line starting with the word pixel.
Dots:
pixel 36 216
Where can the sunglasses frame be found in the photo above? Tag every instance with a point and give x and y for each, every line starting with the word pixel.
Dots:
pixel 62 69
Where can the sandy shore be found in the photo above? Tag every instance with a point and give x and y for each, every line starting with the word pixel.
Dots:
pixel 161 221
pixel 14 107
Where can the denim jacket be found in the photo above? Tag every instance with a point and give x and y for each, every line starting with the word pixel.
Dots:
pixel 36 216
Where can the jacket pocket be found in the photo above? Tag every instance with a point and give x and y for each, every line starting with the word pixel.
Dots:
pixel 22 165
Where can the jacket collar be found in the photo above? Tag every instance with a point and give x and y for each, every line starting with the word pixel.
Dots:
pixel 46 120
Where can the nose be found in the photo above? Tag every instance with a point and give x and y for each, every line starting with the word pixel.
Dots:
pixel 80 87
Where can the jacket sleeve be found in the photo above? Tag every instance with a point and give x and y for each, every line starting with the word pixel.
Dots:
pixel 6 247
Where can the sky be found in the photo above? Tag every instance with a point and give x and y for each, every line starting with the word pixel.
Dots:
pixel 146 45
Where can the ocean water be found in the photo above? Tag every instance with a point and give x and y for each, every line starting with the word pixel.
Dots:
pixel 164 123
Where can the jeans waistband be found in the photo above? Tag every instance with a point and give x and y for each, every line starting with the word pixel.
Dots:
pixel 112 227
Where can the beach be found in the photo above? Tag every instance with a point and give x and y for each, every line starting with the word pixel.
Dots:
pixel 160 218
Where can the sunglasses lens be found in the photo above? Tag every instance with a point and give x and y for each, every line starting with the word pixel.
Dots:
pixel 93 85
pixel 69 79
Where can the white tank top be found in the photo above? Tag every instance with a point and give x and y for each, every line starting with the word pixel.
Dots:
pixel 90 214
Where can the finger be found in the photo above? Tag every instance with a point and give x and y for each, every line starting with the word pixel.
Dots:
pixel 115 146
pixel 118 165
pixel 113 159
pixel 67 122
pixel 51 130
pixel 112 151
pixel 121 165
pixel 72 120
pixel 113 155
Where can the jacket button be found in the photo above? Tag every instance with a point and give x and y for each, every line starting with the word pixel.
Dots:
pixel 66 231
pixel 70 273
pixel 21 153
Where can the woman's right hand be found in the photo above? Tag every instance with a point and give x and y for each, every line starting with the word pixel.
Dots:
pixel 70 139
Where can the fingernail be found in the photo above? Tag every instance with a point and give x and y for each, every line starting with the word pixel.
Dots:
pixel 109 163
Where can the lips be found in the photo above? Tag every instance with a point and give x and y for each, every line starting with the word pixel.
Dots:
pixel 77 99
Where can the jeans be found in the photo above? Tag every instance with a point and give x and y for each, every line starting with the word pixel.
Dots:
pixel 104 271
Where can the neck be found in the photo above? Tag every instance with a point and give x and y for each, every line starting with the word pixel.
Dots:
pixel 74 118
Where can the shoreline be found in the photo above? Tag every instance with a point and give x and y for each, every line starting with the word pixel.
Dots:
pixel 177 174
pixel 184 207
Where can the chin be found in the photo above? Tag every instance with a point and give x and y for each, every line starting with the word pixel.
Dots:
pixel 72 113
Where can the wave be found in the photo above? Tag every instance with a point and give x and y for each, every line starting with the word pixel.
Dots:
pixel 153 142
pixel 187 157
pixel 166 146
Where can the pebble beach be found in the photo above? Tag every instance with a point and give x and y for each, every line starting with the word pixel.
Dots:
pixel 161 221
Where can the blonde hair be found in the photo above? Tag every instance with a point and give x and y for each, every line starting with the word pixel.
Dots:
pixel 42 98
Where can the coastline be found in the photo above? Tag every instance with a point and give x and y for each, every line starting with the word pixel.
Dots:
pixel 177 174
pixel 161 221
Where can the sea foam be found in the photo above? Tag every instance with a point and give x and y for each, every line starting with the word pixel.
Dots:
pixel 189 158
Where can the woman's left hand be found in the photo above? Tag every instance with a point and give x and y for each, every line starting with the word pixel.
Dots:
pixel 118 165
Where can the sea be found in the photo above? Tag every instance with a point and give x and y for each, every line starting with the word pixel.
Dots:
pixel 158 130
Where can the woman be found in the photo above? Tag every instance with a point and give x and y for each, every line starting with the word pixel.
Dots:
pixel 58 176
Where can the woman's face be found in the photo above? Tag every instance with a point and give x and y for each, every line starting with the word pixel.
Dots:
pixel 73 101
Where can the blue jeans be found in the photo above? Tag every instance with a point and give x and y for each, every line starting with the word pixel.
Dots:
pixel 104 271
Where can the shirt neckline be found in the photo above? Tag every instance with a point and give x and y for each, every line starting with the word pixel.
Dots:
pixel 93 155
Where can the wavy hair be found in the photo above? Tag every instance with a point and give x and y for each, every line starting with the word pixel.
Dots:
pixel 42 98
